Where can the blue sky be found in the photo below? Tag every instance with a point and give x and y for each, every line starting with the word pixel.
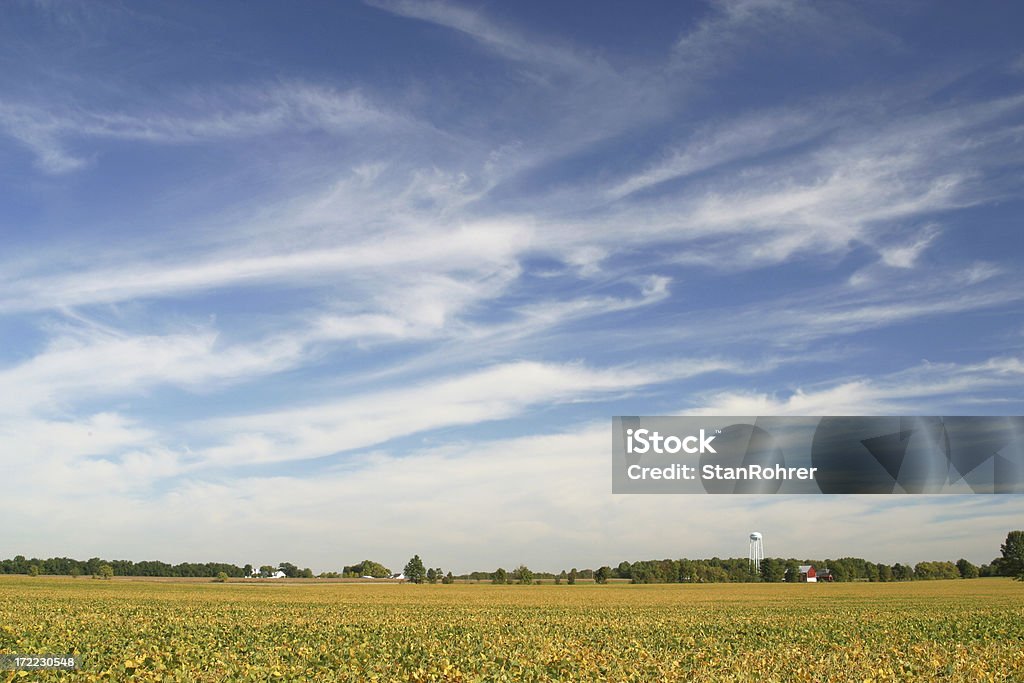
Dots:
pixel 320 282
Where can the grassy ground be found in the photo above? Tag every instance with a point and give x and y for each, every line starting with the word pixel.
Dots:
pixel 969 630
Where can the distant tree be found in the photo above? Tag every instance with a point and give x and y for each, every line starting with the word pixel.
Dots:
pixel 266 571
pixel 431 575
pixel 33 570
pixel 902 572
pixel 414 571
pixel 222 577
pixel 500 576
pixel 448 578
pixel 966 569
pixel 936 570
pixel 884 572
pixel 367 568
pixel 792 574
pixel 602 574
pixel 306 573
pixel 75 572
pixel 1012 562
pixel 622 571
pixel 772 570
pixel 289 569
pixel 105 571
pixel 247 570
pixel 572 576
pixel 523 575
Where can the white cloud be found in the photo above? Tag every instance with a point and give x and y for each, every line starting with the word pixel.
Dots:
pixel 89 364
pixel 932 388
pixel 228 114
pixel 733 29
pixel 905 256
pixel 489 245
pixel 503 41
pixel 493 393
pixel 719 144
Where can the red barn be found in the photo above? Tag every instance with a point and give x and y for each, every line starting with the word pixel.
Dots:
pixel 808 574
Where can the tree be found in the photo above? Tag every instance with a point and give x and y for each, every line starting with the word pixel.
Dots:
pixel 1012 563
pixel 772 570
pixel 33 570
pixel 500 576
pixel 602 574
pixel 901 572
pixel 414 571
pixel 75 572
pixel 247 570
pixel 367 568
pixel 266 571
pixel 523 575
pixel 431 575
pixel 572 576
pixel 105 571
pixel 222 577
pixel 290 570
pixel 966 569
pixel 448 579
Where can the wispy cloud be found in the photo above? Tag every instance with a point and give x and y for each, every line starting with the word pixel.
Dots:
pixel 52 130
pixel 87 365
pixel 931 388
pixel 504 41
pixel 494 393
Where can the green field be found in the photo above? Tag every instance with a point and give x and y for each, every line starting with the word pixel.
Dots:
pixel 966 630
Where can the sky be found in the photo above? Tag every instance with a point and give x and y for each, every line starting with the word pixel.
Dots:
pixel 320 282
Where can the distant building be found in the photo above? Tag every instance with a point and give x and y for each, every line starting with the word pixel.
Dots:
pixel 808 574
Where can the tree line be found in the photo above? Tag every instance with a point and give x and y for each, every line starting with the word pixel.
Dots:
pixel 69 567
pixel 715 570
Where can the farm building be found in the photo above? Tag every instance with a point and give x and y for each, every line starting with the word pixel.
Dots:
pixel 808 574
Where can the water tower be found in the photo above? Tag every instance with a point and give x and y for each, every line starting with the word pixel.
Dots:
pixel 755 552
